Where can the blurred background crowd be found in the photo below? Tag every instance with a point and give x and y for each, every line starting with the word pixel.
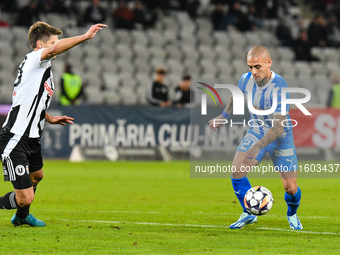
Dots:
pixel 197 38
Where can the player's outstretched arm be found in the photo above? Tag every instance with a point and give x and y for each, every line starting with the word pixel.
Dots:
pixel 218 122
pixel 65 44
pixel 62 120
pixel 274 132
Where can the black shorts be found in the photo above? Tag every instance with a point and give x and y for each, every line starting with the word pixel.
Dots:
pixel 20 156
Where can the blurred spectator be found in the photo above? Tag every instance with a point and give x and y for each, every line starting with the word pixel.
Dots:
pixel 333 32
pixel 334 94
pixel 71 87
pixel 8 5
pixel 141 18
pixel 302 48
pixel 284 34
pixel 28 15
pixel 217 17
pixel 317 33
pixel 184 96
pixel 94 14
pixel 123 16
pixel 238 18
pixel 157 91
pixel 192 8
pixel 255 18
pixel 268 8
pixel 55 6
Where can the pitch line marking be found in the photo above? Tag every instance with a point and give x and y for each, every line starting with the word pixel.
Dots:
pixel 196 225
pixel 206 213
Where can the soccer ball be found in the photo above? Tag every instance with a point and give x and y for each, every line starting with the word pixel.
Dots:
pixel 258 200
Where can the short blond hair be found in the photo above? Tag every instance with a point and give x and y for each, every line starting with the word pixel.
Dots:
pixel 41 31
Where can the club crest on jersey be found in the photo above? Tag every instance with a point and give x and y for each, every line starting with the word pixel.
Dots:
pixel 267 102
pixel 48 89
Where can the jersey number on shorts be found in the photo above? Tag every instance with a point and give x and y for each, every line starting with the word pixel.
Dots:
pixel 244 144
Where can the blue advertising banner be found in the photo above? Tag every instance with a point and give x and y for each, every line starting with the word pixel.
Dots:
pixel 98 126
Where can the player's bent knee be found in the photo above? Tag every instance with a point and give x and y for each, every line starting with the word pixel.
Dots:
pixel 25 201
pixel 36 177
pixel 291 189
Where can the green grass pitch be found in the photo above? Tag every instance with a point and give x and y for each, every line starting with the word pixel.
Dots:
pixel 156 208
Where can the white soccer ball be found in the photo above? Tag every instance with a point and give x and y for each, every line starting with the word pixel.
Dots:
pixel 258 200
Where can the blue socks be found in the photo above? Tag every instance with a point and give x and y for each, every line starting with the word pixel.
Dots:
pixel 241 186
pixel 293 202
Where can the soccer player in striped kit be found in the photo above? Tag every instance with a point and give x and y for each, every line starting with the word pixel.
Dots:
pixel 271 137
pixel 20 146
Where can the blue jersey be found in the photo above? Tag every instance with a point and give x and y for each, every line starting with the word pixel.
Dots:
pixel 262 99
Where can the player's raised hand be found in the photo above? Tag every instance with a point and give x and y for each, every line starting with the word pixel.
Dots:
pixel 93 30
pixel 217 122
pixel 250 155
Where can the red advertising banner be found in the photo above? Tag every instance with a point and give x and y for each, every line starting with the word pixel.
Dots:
pixel 321 129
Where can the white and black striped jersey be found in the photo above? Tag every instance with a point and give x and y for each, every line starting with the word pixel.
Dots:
pixel 32 94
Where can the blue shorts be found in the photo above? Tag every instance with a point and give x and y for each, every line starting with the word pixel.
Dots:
pixel 281 151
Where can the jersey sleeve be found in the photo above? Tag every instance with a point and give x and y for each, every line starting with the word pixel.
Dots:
pixel 241 83
pixel 37 59
pixel 280 83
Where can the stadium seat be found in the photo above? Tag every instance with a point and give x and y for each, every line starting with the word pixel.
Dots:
pixel 210 70
pixel 239 53
pixel 127 82
pixel 237 39
pixel 156 38
pixel 333 68
pixel 190 53
pixel 319 53
pixel 6 35
pixel 157 53
pixel 7 66
pixel 286 53
pixel 111 97
pixel 205 38
pixel 140 38
pixel 207 53
pixel 91 52
pixel 128 97
pixel 223 53
pixel 332 55
pixel 287 69
pixel 222 38
pixel 174 52
pixel 91 80
pixel 124 51
pixel 142 53
pixel 94 95
pixel 319 69
pixel 111 81
pixel 175 66
pixel 303 69
pixel 253 38
pixel 126 67
pixel 143 79
pixel 141 91
pixel 204 24
pixel 123 36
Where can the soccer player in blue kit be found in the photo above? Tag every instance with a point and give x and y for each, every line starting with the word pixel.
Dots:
pixel 264 136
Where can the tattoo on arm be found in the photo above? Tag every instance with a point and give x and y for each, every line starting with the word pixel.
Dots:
pixel 274 132
pixel 229 107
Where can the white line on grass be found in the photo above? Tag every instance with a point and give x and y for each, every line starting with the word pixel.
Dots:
pixel 195 225
pixel 205 213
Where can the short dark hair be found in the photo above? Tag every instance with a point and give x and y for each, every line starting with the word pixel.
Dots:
pixel 161 70
pixel 186 77
pixel 41 31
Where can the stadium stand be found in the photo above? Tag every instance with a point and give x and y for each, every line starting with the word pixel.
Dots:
pixel 117 66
